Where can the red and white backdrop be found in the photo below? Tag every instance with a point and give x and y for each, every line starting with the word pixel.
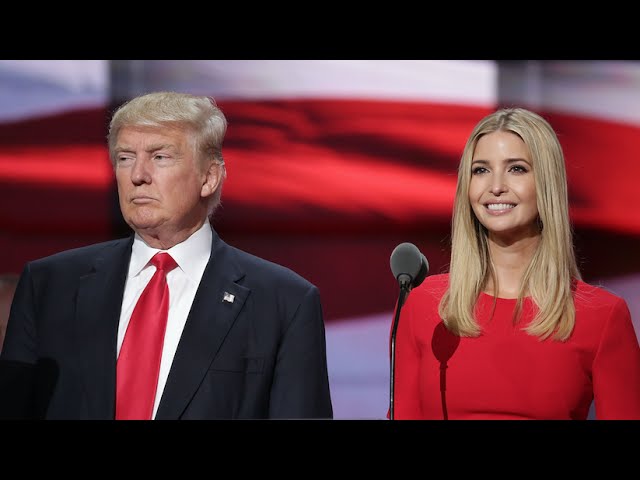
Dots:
pixel 331 164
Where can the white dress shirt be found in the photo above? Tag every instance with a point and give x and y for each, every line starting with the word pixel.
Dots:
pixel 191 256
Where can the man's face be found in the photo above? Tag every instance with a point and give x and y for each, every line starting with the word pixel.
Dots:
pixel 161 186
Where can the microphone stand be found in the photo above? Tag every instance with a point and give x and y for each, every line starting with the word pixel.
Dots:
pixel 405 288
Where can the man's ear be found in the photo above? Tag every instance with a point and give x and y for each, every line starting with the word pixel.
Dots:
pixel 211 180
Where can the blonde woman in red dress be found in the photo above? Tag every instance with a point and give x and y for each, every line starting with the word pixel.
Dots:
pixel 512 331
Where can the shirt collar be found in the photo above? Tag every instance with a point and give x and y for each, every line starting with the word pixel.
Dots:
pixel 191 255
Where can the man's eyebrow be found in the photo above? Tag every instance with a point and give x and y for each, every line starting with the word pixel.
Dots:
pixel 149 149
pixel 160 146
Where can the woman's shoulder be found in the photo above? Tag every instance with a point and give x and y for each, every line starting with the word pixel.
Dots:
pixel 441 279
pixel 424 299
pixel 602 313
pixel 591 294
pixel 434 285
pixel 593 291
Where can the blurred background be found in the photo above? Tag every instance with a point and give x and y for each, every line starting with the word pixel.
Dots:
pixel 331 164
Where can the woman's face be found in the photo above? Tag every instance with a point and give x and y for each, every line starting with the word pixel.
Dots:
pixel 502 191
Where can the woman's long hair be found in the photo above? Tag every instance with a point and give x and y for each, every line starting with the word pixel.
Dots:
pixel 550 276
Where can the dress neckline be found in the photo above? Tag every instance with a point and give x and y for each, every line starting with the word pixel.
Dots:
pixel 500 299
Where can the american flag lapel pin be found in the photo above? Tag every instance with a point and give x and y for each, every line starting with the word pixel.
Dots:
pixel 228 297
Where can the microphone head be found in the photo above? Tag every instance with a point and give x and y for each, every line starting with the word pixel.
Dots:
pixel 408 265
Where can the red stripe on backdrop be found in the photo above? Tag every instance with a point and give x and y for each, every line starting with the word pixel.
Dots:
pixel 341 165
pixel 326 187
pixel 357 164
pixel 327 165
pixel 85 167
pixel 56 190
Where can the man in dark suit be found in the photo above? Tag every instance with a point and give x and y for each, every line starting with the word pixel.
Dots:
pixel 244 337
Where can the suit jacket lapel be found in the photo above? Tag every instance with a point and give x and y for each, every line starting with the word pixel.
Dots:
pixel 210 318
pixel 97 317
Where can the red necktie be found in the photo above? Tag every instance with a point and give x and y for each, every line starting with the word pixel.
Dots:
pixel 138 364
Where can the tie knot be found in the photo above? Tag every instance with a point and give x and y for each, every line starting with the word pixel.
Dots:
pixel 163 261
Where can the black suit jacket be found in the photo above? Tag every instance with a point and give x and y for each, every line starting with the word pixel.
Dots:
pixel 261 356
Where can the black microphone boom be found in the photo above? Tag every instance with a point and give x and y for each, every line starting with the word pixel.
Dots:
pixel 410 267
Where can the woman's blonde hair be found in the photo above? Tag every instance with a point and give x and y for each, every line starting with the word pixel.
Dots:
pixel 550 276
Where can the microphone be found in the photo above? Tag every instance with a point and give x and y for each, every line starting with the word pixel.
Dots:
pixel 410 267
